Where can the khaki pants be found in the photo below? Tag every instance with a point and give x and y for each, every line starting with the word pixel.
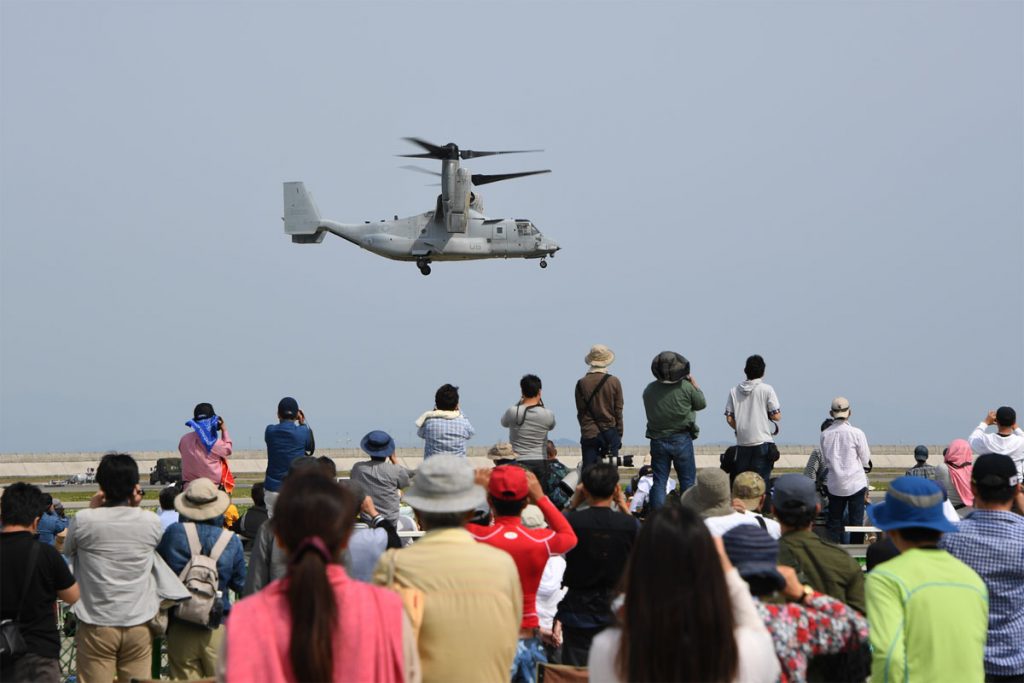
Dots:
pixel 109 652
pixel 192 650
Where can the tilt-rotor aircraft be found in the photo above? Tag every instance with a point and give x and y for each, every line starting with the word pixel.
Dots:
pixel 456 230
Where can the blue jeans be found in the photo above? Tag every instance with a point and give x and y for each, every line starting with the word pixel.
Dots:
pixel 837 505
pixel 607 442
pixel 667 451
pixel 755 459
pixel 529 653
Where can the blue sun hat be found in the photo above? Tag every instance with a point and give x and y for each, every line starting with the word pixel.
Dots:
pixel 378 444
pixel 911 502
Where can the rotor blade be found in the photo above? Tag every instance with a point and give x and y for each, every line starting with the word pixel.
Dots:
pixel 435 151
pixel 483 179
pixel 419 170
pixel 428 155
pixel 471 154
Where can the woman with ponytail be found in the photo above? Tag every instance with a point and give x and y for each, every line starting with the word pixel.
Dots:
pixel 316 623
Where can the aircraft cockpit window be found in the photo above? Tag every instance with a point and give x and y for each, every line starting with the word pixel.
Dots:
pixel 534 230
pixel 523 229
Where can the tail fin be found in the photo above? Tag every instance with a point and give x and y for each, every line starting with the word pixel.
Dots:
pixel 301 218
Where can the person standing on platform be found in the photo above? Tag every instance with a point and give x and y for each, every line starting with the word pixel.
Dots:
pixel 289 439
pixel 599 407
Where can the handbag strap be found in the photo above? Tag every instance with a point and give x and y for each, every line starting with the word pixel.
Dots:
pixel 33 555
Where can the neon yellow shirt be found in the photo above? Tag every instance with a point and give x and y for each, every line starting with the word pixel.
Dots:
pixel 929 619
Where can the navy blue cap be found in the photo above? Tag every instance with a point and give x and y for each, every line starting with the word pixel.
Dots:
pixel 754 552
pixel 921 453
pixel 288 407
pixel 794 490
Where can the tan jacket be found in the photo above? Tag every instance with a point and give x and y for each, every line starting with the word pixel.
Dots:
pixel 473 603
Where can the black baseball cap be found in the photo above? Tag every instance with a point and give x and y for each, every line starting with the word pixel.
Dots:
pixel 203 411
pixel 921 453
pixel 994 471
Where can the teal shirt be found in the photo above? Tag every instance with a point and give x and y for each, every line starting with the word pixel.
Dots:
pixel 929 619
pixel 672 409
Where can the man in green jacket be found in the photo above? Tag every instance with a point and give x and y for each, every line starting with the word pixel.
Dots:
pixel 928 610
pixel 672 402
pixel 824 566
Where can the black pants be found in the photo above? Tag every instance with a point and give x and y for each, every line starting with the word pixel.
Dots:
pixel 576 644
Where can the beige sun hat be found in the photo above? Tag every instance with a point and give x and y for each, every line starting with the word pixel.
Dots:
pixel 710 496
pixel 600 356
pixel 201 500
pixel 501 451
pixel 840 408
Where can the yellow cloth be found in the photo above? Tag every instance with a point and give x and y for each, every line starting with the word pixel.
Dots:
pixel 231 516
pixel 473 604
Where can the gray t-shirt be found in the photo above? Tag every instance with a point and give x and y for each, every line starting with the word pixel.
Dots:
pixel 528 428
pixel 112 550
pixel 381 481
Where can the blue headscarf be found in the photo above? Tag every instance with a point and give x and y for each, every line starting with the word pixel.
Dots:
pixel 206 428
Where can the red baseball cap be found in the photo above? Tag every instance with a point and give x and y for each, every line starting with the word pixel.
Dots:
pixel 508 482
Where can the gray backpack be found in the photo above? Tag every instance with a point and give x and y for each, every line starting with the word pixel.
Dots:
pixel 202 580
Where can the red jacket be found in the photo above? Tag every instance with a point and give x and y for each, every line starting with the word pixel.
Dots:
pixel 530 548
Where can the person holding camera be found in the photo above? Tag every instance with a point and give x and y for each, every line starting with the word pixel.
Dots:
pixel 599 407
pixel 32 576
pixel 290 439
pixel 204 453
pixel 752 410
pixel 672 402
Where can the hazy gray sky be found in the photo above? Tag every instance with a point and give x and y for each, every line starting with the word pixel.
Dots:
pixel 837 186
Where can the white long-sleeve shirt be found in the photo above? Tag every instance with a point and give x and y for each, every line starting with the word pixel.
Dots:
pixel 983 442
pixel 643 491
pixel 845 451
pixel 757 660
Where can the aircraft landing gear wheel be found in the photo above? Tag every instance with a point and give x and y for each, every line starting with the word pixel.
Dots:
pixel 425 269
pixel 543 263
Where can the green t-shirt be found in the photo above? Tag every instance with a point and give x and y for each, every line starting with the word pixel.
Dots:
pixel 672 409
pixel 929 619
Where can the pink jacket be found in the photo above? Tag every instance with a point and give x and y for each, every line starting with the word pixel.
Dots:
pixel 367 642
pixel 196 462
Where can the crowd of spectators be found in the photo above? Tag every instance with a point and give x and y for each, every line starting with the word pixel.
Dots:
pixel 722 575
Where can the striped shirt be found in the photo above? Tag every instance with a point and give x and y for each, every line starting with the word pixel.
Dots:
pixel 445 435
pixel 991 542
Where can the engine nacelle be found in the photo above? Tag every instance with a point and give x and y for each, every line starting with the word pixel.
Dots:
pixel 458 201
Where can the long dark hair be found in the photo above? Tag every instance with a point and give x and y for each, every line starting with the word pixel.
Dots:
pixel 313 518
pixel 677 620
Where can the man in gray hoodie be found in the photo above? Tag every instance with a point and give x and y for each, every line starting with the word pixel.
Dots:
pixel 752 410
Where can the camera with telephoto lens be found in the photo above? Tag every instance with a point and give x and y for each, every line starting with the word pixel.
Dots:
pixel 620 460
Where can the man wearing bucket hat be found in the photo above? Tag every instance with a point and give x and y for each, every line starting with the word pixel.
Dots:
pixel 672 402
pixel 599 407
pixel 990 540
pixel 811 624
pixel 470 592
pixel 711 498
pixel 192 650
pixel 928 610
pixel 381 477
pixel 845 452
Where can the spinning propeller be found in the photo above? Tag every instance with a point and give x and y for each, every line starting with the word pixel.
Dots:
pixel 452 151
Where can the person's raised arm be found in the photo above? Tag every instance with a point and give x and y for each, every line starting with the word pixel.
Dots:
pixel 697 400
pixel 564 539
pixel 223 445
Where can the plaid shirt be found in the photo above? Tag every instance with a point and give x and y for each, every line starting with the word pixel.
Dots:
pixel 924 470
pixel 443 435
pixel 991 542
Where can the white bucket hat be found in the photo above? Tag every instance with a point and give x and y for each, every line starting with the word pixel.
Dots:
pixel 445 483
pixel 202 500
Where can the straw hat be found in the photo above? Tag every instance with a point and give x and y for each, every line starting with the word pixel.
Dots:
pixel 600 356
pixel 202 500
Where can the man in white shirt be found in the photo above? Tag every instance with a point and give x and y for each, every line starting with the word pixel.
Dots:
pixel 1008 439
pixel 639 503
pixel 844 448
pixel 753 411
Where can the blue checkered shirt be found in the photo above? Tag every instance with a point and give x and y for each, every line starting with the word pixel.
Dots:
pixel 991 542
pixel 444 435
